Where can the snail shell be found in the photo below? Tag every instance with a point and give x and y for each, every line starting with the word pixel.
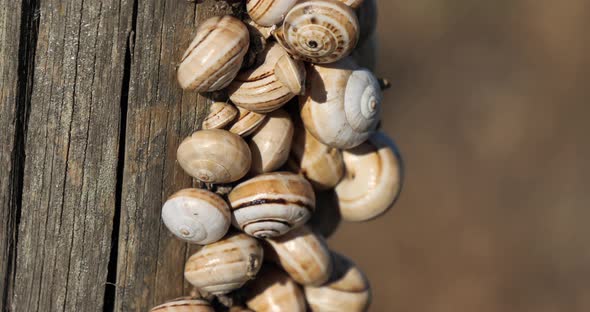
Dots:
pixel 319 31
pixel 268 12
pixel 348 290
pixel 239 309
pixel 353 3
pixel 197 216
pixel 274 291
pixel 304 255
pixel 214 156
pixel 226 265
pixel 220 115
pixel 185 304
pixel 271 143
pixel 342 105
pixel 215 56
pixel 270 85
pixel 247 122
pixel 373 179
pixel 272 204
pixel 320 164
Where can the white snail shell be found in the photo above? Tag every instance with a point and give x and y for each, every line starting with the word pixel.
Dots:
pixel 274 291
pixel 272 204
pixel 268 12
pixel 304 255
pixel 319 31
pixel 214 156
pixel 226 265
pixel 373 179
pixel 348 290
pixel 271 143
pixel 185 304
pixel 247 122
pixel 220 115
pixel 197 216
pixel 269 85
pixel 215 56
pixel 342 104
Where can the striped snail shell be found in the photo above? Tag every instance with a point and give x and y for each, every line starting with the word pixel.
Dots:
pixel 214 156
pixel 342 104
pixel 271 143
pixel 185 304
pixel 197 216
pixel 226 265
pixel 220 115
pixel 348 289
pixel 319 31
pixel 215 56
pixel 247 122
pixel 304 255
pixel 373 179
pixel 268 12
pixel 269 85
pixel 272 204
pixel 274 291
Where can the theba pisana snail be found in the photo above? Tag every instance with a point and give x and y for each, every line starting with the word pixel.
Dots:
pixel 247 122
pixel 271 143
pixel 186 304
pixel 272 204
pixel 269 12
pixel 226 265
pixel 220 115
pixel 215 56
pixel 342 104
pixel 197 216
pixel 274 291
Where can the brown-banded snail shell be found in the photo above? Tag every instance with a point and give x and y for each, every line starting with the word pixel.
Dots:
pixel 304 255
pixel 275 291
pixel 272 204
pixel 214 156
pixel 269 85
pixel 220 115
pixel 186 304
pixel 372 181
pixel 197 216
pixel 215 56
pixel 319 31
pixel 226 265
pixel 348 290
pixel 269 12
pixel 247 122
pixel 342 104
pixel 271 143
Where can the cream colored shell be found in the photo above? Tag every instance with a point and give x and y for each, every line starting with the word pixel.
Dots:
pixel 226 265
pixel 373 179
pixel 342 105
pixel 272 204
pixel 185 304
pixel 319 31
pixel 268 12
pixel 247 122
pixel 274 291
pixel 271 143
pixel 269 85
pixel 220 115
pixel 348 290
pixel 304 255
pixel 214 156
pixel 197 216
pixel 215 56
pixel 353 3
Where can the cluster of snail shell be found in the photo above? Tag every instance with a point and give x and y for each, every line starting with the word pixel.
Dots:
pixel 295 123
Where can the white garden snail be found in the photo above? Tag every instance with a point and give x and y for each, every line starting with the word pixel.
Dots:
pixel 226 265
pixel 269 12
pixel 271 84
pixel 214 156
pixel 274 291
pixel 304 255
pixel 319 31
pixel 185 304
pixel 220 115
pixel 197 216
pixel 342 104
pixel 272 204
pixel 271 143
pixel 348 289
pixel 373 179
pixel 247 122
pixel 215 56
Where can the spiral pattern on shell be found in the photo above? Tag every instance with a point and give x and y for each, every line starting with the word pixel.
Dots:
pixel 220 115
pixel 319 31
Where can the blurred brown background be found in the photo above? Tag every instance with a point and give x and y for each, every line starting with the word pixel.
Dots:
pixel 489 107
